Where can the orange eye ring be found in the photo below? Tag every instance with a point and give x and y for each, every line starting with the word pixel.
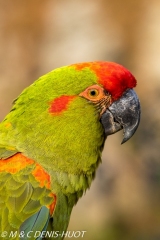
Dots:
pixel 93 93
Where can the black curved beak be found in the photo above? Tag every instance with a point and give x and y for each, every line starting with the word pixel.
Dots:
pixel 123 114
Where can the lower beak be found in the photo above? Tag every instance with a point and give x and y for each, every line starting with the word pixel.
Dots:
pixel 123 114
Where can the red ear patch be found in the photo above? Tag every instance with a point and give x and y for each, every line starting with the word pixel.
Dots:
pixel 60 104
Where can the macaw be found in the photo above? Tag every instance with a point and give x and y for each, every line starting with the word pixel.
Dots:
pixel 51 143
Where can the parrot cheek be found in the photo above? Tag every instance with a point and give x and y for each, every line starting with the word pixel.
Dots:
pixel 122 114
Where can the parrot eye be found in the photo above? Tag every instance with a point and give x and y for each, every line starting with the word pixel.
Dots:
pixel 92 93
pixel 99 96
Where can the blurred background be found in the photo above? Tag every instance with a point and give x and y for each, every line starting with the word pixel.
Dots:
pixel 38 36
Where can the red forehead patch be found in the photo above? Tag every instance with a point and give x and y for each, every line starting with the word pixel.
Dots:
pixel 113 77
pixel 60 104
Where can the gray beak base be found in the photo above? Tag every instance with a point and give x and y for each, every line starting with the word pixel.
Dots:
pixel 123 114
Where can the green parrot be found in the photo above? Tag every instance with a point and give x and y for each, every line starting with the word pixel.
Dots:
pixel 51 143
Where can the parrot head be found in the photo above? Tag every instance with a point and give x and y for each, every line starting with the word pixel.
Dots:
pixel 114 97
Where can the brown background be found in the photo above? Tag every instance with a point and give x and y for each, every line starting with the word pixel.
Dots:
pixel 38 36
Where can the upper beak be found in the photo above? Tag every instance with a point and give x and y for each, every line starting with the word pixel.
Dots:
pixel 123 114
